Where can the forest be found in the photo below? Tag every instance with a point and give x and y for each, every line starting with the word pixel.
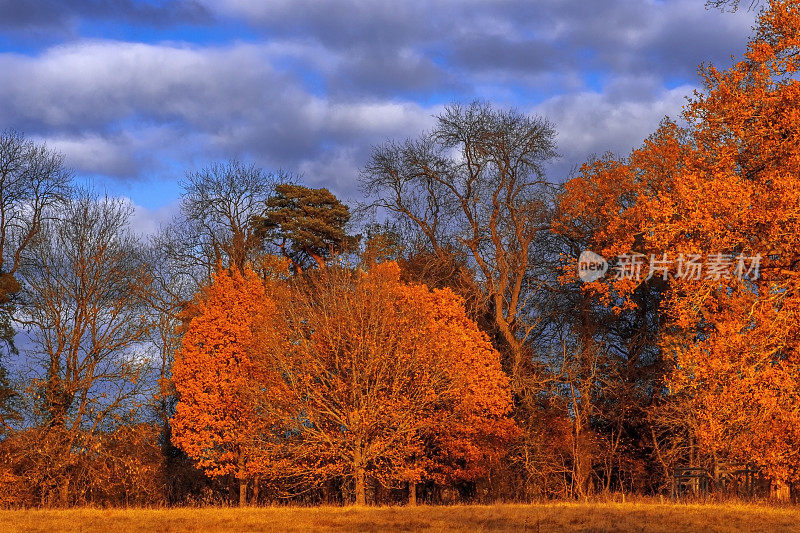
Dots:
pixel 438 340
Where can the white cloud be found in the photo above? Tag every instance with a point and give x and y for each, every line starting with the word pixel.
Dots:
pixel 591 123
pixel 145 222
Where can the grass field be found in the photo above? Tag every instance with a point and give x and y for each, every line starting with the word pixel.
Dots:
pixel 594 517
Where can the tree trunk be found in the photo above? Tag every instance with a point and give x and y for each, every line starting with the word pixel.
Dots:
pixel 780 491
pixel 242 482
pixel 254 499
pixel 412 493
pixel 242 492
pixel 64 493
pixel 318 260
pixel 361 492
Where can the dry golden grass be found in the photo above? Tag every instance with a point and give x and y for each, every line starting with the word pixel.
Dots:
pixel 594 517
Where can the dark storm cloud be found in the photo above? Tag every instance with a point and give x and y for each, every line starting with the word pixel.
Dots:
pixel 367 72
pixel 498 53
pixel 341 24
pixel 664 39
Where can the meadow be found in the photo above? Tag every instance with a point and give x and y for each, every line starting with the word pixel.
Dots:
pixel 551 517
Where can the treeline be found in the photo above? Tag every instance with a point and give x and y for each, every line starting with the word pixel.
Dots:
pixel 267 345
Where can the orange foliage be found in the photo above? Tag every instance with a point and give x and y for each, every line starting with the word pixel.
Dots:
pixel 729 184
pixel 353 374
pixel 740 193
pixel 471 436
pixel 216 379
pixel 388 380
pixel 123 466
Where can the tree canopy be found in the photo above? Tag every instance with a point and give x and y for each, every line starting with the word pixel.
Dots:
pixel 305 224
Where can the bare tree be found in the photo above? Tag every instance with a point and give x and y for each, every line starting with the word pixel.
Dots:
pixel 84 285
pixel 172 286
pixel 475 184
pixel 33 179
pixel 218 204
pixel 732 5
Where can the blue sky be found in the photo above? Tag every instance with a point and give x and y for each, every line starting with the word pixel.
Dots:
pixel 135 93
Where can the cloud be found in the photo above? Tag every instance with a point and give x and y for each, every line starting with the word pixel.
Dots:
pixel 114 108
pixel 122 154
pixel 315 84
pixel 591 124
pixel 145 222
pixel 462 39
pixel 340 23
pixel 92 84
pixel 54 15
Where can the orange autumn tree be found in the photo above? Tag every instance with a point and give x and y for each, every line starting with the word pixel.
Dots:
pixel 739 193
pixel 471 437
pixel 379 371
pixel 728 188
pixel 218 385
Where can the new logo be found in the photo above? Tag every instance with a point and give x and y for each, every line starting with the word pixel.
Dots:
pixel 591 266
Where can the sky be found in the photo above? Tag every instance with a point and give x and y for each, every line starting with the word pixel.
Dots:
pixel 136 93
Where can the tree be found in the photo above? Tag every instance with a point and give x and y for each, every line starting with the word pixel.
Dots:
pixel 83 284
pixel 611 362
pixel 475 184
pixel 726 188
pixel 305 224
pixel 473 436
pixel 33 180
pixel 732 5
pixel 83 281
pixel 172 291
pixel 216 419
pixel 378 371
pixel 738 195
pixel 217 207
